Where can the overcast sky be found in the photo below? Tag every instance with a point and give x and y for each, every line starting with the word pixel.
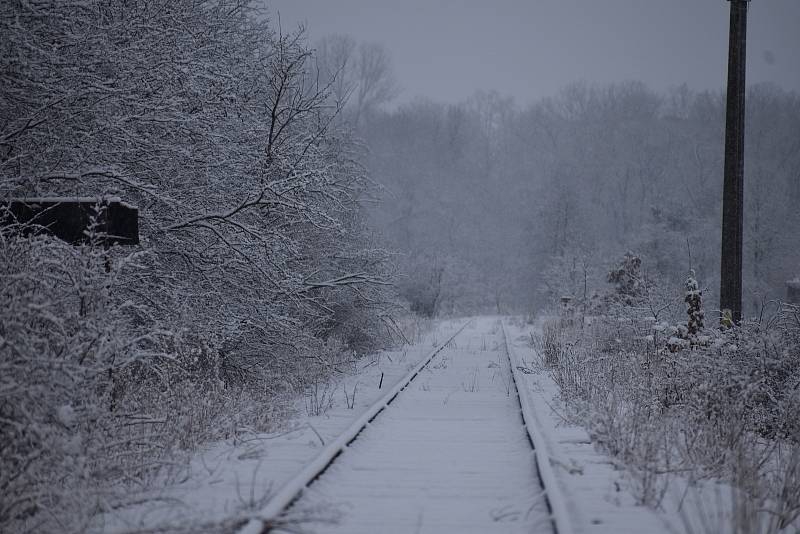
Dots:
pixel 448 49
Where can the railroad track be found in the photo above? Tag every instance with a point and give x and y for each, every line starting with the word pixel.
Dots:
pixel 269 517
pixel 559 515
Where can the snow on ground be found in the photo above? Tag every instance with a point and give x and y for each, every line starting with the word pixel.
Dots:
pixel 596 491
pixel 227 477
pixel 450 455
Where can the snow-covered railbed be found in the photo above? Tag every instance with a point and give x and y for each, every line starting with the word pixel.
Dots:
pixel 450 455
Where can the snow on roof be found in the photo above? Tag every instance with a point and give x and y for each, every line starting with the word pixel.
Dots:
pixel 37 200
pixel 57 200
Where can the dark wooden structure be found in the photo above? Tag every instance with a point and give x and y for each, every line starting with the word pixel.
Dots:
pixel 793 291
pixel 730 293
pixel 70 219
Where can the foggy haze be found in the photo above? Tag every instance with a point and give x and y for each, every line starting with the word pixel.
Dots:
pixel 399 266
pixel 528 49
pixel 518 140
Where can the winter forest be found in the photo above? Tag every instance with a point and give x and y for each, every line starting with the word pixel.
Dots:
pixel 308 234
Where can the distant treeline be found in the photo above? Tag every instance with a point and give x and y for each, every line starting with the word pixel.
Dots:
pixel 511 207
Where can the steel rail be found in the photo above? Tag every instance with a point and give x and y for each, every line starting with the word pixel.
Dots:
pixel 559 515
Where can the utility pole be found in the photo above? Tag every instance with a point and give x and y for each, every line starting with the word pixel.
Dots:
pixel 730 294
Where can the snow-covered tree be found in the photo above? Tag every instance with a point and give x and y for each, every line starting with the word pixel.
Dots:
pixel 362 74
pixel 253 244
pixel 694 308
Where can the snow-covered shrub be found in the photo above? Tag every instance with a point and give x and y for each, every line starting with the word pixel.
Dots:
pixel 551 346
pixel 628 280
pixel 636 295
pixel 68 335
pixel 694 308
pixel 728 409
pixel 751 371
pixel 690 334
